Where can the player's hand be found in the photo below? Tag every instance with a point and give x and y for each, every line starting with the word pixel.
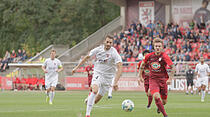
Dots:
pixel 45 71
pixel 168 82
pixel 141 80
pixel 73 71
pixel 115 87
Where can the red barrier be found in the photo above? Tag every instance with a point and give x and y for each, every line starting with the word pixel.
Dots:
pixel 81 83
pixel 78 83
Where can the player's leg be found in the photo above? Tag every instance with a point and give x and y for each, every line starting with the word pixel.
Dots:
pixel 110 90
pixel 90 90
pixel 91 99
pixel 203 92
pixel 47 87
pixel 149 99
pixel 163 93
pixel 149 95
pixel 191 89
pixel 159 103
pixel 187 91
pixel 52 94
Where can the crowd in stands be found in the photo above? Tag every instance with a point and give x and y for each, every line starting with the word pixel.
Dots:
pixel 13 57
pixel 28 83
pixel 180 43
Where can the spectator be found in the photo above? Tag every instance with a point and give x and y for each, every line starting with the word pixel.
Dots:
pixel 4 64
pixel 13 56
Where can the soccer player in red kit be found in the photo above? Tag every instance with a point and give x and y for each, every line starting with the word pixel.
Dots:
pixel 145 76
pixel 89 70
pixel 159 78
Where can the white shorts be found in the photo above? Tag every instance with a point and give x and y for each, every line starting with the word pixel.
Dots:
pixel 104 82
pixel 202 81
pixel 51 83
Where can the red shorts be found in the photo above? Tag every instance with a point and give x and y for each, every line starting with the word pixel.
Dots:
pixel 146 85
pixel 159 85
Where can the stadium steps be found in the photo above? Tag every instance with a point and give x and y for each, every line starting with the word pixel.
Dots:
pixel 95 39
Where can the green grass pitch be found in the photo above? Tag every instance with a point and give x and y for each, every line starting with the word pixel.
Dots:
pixel 70 104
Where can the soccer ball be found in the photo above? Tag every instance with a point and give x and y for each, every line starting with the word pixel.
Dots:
pixel 127 105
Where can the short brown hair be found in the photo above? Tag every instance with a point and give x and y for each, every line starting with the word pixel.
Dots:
pixel 110 37
pixel 157 40
pixel 53 51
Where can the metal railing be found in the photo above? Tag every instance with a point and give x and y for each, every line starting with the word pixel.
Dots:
pixel 90 42
pixel 130 68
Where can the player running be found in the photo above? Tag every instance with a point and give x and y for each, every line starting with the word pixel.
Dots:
pixel 89 70
pixel 107 58
pixel 51 67
pixel 145 76
pixel 202 70
pixel 158 78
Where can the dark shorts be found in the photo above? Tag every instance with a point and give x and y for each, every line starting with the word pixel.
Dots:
pixel 189 83
pixel 146 85
pixel 159 85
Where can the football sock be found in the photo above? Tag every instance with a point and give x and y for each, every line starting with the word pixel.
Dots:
pixel 90 102
pixel 160 106
pixel 53 95
pixel 203 94
pixel 149 100
pixel 50 95
pixel 110 91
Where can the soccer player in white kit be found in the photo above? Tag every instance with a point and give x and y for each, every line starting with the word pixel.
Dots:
pixel 107 58
pixel 51 67
pixel 202 70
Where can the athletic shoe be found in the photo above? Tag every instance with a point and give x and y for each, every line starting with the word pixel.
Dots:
pixel 109 97
pixel 148 107
pixel 87 116
pixel 202 100
pixel 47 99
pixel 85 101
pixel 50 103
pixel 158 111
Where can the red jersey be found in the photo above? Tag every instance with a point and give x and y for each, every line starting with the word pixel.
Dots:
pixel 158 64
pixel 89 70
pixel 145 73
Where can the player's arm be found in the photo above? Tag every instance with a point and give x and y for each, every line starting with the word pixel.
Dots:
pixel 171 76
pixel 81 63
pixel 118 74
pixel 44 66
pixel 171 65
pixel 141 69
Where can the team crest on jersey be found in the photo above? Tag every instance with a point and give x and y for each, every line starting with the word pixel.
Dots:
pixel 155 65
pixel 107 55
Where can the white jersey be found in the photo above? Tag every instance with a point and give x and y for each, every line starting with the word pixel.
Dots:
pixel 202 70
pixel 106 61
pixel 51 67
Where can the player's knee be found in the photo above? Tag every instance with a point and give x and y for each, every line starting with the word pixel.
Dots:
pixel 164 102
pixel 156 95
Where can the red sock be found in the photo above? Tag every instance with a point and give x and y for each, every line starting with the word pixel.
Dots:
pixel 149 100
pixel 160 106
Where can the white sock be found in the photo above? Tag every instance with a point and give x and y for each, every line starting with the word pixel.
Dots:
pixel 203 94
pixel 47 94
pixel 90 102
pixel 50 95
pixel 53 95
pixel 110 91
